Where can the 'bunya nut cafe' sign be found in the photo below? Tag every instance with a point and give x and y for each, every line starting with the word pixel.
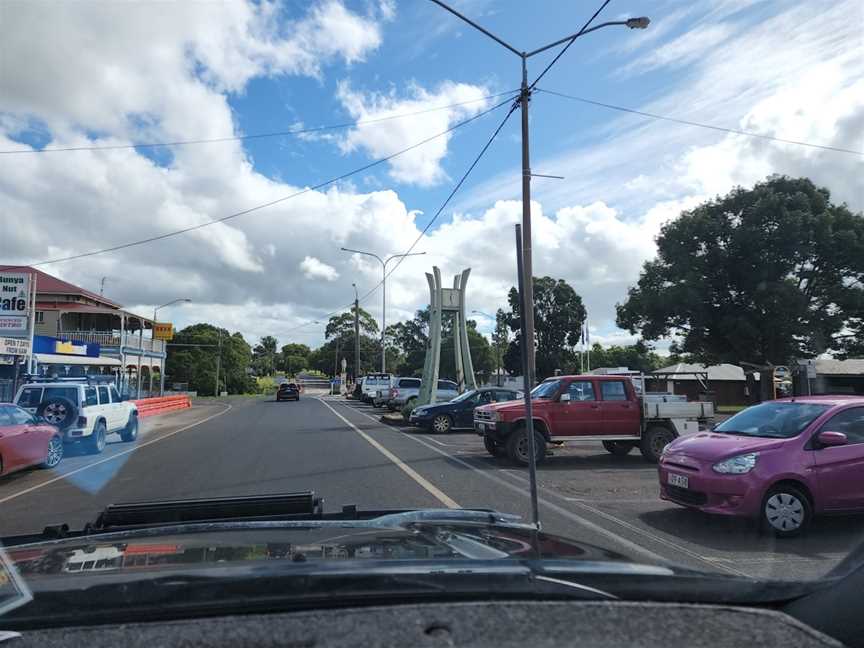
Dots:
pixel 14 303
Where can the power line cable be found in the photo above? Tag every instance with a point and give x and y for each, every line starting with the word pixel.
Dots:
pixel 687 122
pixel 428 225
pixel 567 46
pixel 235 138
pixel 267 204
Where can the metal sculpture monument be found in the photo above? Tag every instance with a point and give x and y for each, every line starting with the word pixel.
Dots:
pixel 443 300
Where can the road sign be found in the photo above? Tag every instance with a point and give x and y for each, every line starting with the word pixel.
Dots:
pixel 809 366
pixel 163 331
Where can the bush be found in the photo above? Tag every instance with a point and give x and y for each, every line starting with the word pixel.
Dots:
pixel 265 385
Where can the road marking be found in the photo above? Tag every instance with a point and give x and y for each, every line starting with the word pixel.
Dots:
pixel 413 474
pixel 632 546
pixel 111 458
pixel 638 530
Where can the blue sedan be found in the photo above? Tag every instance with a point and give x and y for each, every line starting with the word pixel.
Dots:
pixel 459 412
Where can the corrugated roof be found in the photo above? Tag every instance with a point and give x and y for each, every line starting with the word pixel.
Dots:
pixel 831 367
pixel 715 372
pixel 45 283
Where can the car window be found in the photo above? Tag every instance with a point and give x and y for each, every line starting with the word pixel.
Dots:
pixel 484 397
pixel 410 382
pixel 581 390
pixel 446 384
pixel 30 397
pixel 69 393
pixel 850 422
pixel 613 390
pixel 103 395
pixel 501 396
pixel 90 396
pixel 5 415
pixel 19 417
pixel 115 396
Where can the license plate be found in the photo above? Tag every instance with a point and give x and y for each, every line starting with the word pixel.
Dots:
pixel 678 480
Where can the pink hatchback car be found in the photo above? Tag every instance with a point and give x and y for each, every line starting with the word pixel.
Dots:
pixel 781 461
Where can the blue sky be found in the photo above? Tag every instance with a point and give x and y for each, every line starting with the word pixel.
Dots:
pixel 113 73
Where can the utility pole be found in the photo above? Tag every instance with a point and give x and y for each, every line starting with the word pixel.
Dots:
pixel 218 362
pixel 356 335
pixel 527 275
pixel 527 265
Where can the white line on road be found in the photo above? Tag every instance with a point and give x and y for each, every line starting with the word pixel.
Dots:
pixel 596 528
pixel 112 457
pixel 413 474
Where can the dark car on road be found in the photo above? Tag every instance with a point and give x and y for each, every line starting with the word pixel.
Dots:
pixel 288 391
pixel 459 412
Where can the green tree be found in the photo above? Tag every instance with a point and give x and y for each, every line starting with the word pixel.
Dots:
pixel 500 338
pixel 196 365
pixel 558 318
pixel 264 356
pixel 639 357
pixel 343 324
pixel 293 357
pixel 761 275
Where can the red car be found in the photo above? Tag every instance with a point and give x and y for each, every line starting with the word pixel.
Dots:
pixel 27 441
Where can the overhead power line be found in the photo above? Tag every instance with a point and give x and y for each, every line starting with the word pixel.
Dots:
pixel 688 122
pixel 235 138
pixel 315 187
pixel 438 212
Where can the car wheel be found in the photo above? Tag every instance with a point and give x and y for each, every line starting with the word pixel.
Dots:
pixel 654 439
pixel 59 412
pixel 54 455
pixel 442 424
pixel 517 447
pixel 618 448
pixel 95 443
pixel 130 432
pixel 494 448
pixel 786 511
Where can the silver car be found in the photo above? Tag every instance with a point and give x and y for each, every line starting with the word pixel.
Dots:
pixel 447 390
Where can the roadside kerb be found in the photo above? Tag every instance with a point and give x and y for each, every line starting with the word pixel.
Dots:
pixel 161 405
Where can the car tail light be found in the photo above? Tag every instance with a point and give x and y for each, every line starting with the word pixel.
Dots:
pixel 82 421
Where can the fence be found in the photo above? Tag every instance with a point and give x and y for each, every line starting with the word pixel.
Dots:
pixel 154 406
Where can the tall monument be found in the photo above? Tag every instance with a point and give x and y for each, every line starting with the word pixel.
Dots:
pixel 443 300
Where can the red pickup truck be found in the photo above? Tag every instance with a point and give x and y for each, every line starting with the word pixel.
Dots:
pixel 589 408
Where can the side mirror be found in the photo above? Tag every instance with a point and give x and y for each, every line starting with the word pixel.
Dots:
pixel 828 439
pixel 564 398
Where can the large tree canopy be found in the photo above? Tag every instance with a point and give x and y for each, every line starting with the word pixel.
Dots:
pixel 196 365
pixel 558 318
pixel 767 274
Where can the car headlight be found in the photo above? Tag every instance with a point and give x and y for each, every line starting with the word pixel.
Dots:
pixel 737 465
pixel 496 416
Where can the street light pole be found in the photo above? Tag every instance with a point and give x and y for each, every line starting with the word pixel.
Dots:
pixel 383 263
pixel 162 373
pixel 356 335
pixel 524 98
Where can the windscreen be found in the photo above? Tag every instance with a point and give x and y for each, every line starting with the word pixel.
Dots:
pixel 229 213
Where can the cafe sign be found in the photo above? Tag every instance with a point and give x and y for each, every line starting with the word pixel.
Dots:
pixel 14 304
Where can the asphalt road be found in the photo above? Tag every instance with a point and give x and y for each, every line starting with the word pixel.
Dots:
pixel 340 450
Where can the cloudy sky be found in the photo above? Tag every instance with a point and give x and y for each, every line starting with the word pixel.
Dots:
pixel 110 74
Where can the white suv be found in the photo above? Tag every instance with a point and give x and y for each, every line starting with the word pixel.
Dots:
pixel 85 412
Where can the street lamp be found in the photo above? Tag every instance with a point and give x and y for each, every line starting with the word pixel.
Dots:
pixel 162 373
pixel 383 263
pixel 524 96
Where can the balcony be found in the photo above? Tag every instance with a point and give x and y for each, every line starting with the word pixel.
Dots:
pixel 111 339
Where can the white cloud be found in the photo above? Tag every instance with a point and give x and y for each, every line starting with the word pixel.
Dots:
pixel 313 268
pixel 682 50
pixel 421 166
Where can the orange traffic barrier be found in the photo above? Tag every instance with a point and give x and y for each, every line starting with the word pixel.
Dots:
pixel 161 405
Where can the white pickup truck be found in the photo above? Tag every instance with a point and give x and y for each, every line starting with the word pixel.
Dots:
pixel 83 412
